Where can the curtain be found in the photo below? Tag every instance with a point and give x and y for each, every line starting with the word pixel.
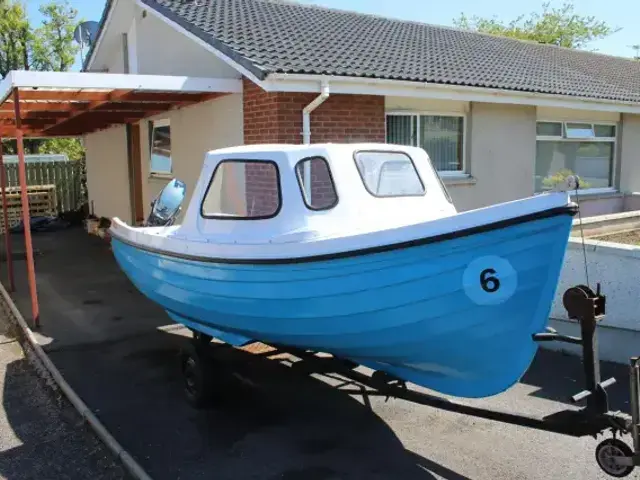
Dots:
pixel 441 137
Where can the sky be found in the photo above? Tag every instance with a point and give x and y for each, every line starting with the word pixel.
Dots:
pixel 622 14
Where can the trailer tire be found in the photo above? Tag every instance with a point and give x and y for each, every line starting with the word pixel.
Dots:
pixel 613 447
pixel 198 376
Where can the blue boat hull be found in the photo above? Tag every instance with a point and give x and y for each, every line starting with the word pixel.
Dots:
pixel 456 315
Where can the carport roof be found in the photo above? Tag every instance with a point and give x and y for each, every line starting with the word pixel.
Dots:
pixel 65 104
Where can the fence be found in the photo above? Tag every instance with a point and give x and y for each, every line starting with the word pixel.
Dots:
pixel 66 176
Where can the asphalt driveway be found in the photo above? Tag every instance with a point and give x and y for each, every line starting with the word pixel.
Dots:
pixel 120 353
pixel 42 437
pixel 294 423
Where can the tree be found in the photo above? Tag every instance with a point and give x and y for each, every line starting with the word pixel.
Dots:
pixel 15 37
pixel 53 45
pixel 636 48
pixel 555 26
pixel 49 46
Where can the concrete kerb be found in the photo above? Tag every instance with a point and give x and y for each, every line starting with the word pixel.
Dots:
pixel 28 339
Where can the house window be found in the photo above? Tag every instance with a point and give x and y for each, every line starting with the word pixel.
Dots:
pixel 566 148
pixel 160 148
pixel 316 183
pixel 243 189
pixel 441 136
pixel 389 174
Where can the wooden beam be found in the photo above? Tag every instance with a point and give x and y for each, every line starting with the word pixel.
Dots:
pixel 10 132
pixel 88 107
pixel 43 114
pixel 135 172
pixel 38 107
pixel 9 116
pixel 164 97
pixel 29 122
pixel 92 122
pixel 133 106
pixel 64 96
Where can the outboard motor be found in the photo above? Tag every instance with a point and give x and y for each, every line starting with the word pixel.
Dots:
pixel 167 205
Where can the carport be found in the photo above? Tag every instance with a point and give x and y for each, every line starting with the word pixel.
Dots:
pixel 70 104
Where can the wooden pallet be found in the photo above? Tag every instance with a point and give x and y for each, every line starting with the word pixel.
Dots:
pixel 42 202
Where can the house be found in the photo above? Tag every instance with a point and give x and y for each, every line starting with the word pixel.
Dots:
pixel 496 115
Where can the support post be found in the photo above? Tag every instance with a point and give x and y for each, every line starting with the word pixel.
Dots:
pixel 5 217
pixel 635 403
pixel 588 308
pixel 26 220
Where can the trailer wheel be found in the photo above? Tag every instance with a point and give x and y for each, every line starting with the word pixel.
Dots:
pixel 197 373
pixel 202 338
pixel 606 452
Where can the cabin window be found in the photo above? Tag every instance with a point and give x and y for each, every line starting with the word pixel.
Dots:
pixel 160 147
pixel 389 174
pixel 581 148
pixel 316 183
pixel 243 189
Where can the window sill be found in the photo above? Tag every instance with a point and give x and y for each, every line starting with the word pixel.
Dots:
pixel 160 176
pixel 593 193
pixel 461 179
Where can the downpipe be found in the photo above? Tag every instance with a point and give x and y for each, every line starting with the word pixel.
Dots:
pixel 306 111
pixel 306 128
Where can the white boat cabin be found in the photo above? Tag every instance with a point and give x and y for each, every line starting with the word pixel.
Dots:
pixel 293 201
pixel 292 193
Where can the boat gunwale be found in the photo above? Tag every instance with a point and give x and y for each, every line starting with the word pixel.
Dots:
pixel 570 209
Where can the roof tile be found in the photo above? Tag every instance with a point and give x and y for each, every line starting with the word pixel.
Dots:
pixel 275 36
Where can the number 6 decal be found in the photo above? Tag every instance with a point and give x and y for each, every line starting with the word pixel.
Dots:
pixel 489 280
pixel 489 283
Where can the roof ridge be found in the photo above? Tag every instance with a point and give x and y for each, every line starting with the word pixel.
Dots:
pixel 284 36
pixel 297 3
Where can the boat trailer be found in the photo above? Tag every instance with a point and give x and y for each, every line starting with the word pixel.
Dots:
pixel 595 418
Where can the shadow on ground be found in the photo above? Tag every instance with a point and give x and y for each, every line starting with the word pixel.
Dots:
pixel 41 438
pixel 557 376
pixel 286 425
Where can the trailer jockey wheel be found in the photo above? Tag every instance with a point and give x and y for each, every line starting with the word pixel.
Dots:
pixel 606 453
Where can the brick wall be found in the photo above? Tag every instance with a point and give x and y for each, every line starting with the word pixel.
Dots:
pixel 261 190
pixel 323 192
pixel 276 117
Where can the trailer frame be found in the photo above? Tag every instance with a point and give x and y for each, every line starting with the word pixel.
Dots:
pixel 613 455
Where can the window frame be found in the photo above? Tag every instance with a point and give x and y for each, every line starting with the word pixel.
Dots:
pixel 427 113
pixel 355 164
pixel 594 139
pixel 301 183
pixel 160 122
pixel 229 217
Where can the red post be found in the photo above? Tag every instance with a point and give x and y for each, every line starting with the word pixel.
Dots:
pixel 5 216
pixel 22 174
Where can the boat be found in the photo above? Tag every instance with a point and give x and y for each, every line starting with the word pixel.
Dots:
pixel 355 250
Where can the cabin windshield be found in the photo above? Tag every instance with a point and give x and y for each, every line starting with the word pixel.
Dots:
pixel 389 174
pixel 243 189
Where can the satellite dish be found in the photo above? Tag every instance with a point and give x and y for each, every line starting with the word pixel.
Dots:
pixel 85 32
